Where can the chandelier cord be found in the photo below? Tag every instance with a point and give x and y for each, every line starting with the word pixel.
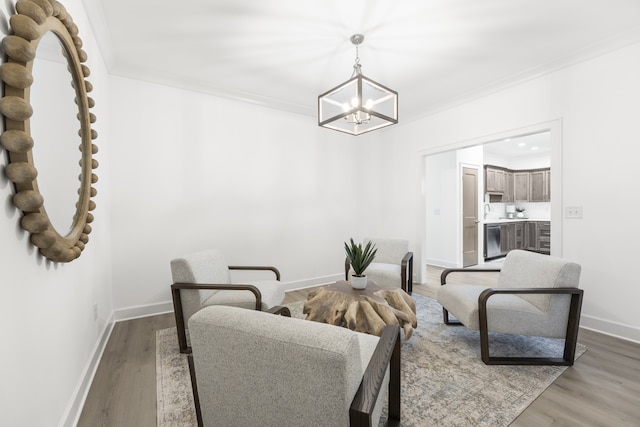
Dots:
pixel 356 66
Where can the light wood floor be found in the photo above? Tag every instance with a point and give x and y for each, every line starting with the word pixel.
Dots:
pixel 601 389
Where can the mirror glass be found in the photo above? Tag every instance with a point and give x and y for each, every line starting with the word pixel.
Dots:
pixel 55 128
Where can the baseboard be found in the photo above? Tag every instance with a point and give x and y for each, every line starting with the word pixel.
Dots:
pixel 142 311
pixel 135 312
pixel 608 327
pixel 79 396
pixel 309 283
pixel 441 263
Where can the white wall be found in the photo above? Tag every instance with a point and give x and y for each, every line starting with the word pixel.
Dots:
pixel 49 337
pixel 442 208
pixel 194 171
pixel 597 101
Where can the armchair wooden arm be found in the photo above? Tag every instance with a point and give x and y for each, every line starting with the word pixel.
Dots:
pixel 386 354
pixel 446 272
pixel 280 310
pixel 256 267
pixel 177 305
pixel 571 337
pixel 347 266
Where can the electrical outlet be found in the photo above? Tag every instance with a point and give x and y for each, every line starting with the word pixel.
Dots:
pixel 95 311
pixel 573 212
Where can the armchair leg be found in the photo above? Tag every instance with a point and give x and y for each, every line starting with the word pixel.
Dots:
pixel 194 388
pixel 393 418
pixel 180 326
pixel 445 317
pixel 406 274
pixel 570 340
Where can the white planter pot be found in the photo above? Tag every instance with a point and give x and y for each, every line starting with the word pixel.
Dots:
pixel 358 282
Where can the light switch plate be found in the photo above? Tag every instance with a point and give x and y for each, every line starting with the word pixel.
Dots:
pixel 573 212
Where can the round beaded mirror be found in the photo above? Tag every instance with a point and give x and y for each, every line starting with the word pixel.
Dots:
pixel 35 19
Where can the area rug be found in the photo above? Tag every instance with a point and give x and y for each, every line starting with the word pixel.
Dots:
pixel 444 382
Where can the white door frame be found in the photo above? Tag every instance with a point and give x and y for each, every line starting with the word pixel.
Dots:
pixel 554 127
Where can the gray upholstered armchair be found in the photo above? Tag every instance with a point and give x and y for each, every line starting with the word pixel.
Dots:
pixel 251 368
pixel 393 265
pixel 203 278
pixel 536 295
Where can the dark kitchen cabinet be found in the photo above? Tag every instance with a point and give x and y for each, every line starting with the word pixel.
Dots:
pixel 512 186
pixel 507 237
pixel 531 236
pixel 519 235
pixel 511 236
pixel 494 180
pixel 521 186
pixel 544 237
pixel 540 185
pixel 528 235
pixel 537 236
pixel 508 195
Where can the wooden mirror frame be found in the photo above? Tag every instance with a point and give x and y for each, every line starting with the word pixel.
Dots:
pixel 33 19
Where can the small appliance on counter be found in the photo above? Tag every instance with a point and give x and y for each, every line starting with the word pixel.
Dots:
pixel 511 211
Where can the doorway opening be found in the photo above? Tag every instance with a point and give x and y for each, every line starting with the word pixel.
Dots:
pixel 447 235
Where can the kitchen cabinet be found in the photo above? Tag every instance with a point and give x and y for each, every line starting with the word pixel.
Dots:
pixel 521 186
pixel 540 185
pixel 511 236
pixel 531 236
pixel 503 237
pixel 507 237
pixel 508 195
pixel 494 180
pixel 538 236
pixel 519 235
pixel 544 237
pixel 512 186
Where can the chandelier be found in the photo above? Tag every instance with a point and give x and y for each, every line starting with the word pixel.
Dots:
pixel 358 105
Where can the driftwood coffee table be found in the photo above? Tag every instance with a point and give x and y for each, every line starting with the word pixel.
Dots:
pixel 363 310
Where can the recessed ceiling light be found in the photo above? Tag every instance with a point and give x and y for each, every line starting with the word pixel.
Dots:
pixel 522 144
pixel 534 148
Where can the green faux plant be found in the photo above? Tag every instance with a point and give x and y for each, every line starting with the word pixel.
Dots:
pixel 359 257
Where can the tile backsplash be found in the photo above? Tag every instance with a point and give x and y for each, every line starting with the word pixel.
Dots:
pixel 537 210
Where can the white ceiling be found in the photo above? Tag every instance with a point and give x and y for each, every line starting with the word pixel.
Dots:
pixel 284 53
pixel 537 144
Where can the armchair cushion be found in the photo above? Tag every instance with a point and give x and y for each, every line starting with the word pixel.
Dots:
pixel 390 251
pixel 272 295
pixel 530 270
pixel 208 266
pixel 509 313
pixel 255 368
pixel 384 274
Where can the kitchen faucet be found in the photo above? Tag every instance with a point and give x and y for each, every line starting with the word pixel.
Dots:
pixel 487 209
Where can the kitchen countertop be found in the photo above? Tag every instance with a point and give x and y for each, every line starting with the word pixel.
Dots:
pixel 501 220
